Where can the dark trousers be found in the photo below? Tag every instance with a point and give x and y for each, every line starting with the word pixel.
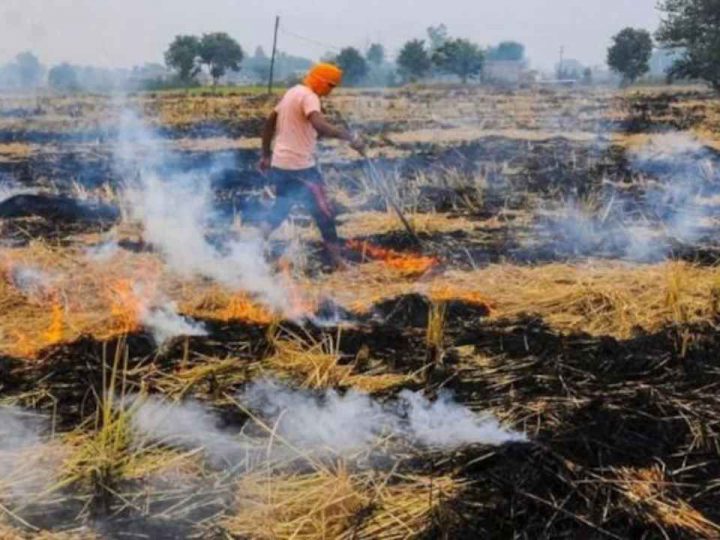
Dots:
pixel 306 188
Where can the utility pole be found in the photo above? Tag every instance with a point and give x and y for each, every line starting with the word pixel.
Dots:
pixel 272 59
pixel 560 69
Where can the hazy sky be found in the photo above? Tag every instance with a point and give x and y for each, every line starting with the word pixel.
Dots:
pixel 123 33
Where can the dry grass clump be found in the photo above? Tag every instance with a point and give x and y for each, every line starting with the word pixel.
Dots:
pixel 335 503
pixel 110 455
pixel 406 509
pixel 600 298
pixel 648 489
pixel 70 295
pixel 219 375
pixel 372 223
pixel 317 505
pixel 435 332
pixel 9 533
pixel 316 363
pixel 217 303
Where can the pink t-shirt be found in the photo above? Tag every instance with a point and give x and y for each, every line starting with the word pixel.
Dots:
pixel 295 137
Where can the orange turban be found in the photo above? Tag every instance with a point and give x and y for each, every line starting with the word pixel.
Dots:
pixel 322 78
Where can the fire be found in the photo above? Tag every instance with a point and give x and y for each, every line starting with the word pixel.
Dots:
pixel 54 332
pixel 299 304
pixel 406 264
pixel 241 308
pixel 446 293
pixel 125 307
pixel 23 347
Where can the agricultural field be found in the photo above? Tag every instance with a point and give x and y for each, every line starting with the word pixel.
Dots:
pixel 541 360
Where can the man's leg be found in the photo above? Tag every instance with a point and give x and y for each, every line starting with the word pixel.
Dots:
pixel 285 197
pixel 320 208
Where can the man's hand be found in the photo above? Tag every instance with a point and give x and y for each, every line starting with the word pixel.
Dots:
pixel 264 163
pixel 357 143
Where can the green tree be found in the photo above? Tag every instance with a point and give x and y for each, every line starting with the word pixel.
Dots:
pixel 437 36
pixel 507 50
pixel 693 26
pixel 413 60
pixel 63 78
pixel 375 54
pixel 630 53
pixel 221 53
pixel 353 65
pixel 459 57
pixel 29 69
pixel 183 56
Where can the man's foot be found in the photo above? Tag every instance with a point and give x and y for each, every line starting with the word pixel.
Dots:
pixel 337 262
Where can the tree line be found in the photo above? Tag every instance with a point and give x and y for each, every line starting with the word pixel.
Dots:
pixel 690 27
pixel 443 55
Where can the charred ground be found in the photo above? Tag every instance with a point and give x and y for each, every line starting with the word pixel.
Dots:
pixel 622 422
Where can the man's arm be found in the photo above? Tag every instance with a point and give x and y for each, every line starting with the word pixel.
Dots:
pixel 268 135
pixel 326 129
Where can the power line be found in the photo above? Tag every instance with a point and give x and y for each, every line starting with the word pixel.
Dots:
pixel 285 31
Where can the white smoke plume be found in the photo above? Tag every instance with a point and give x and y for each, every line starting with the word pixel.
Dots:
pixel 102 252
pixel 30 280
pixel 27 461
pixel 355 421
pixel 446 424
pixel 340 424
pixel 11 188
pixel 319 424
pixel 689 173
pixel 164 323
pixel 18 430
pixel 676 199
pixel 186 425
pixel 176 209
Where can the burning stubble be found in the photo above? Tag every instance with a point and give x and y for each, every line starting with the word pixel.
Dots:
pixel 176 209
pixel 679 183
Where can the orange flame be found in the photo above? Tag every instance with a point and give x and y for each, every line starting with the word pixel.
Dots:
pixel 23 347
pixel 299 304
pixel 125 307
pixel 241 308
pixel 445 293
pixel 406 264
pixel 54 332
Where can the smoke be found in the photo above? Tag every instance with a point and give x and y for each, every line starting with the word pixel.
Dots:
pixel 102 252
pixel 10 188
pixel 447 424
pixel 164 323
pixel 689 173
pixel 18 430
pixel 160 317
pixel 30 280
pixel 673 200
pixel 322 423
pixel 176 209
pixel 355 421
pixel 27 461
pixel 332 422
pixel 185 425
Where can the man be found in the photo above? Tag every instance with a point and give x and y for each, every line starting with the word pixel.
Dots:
pixel 294 126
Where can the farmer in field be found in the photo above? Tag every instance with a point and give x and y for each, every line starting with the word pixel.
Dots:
pixel 294 126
